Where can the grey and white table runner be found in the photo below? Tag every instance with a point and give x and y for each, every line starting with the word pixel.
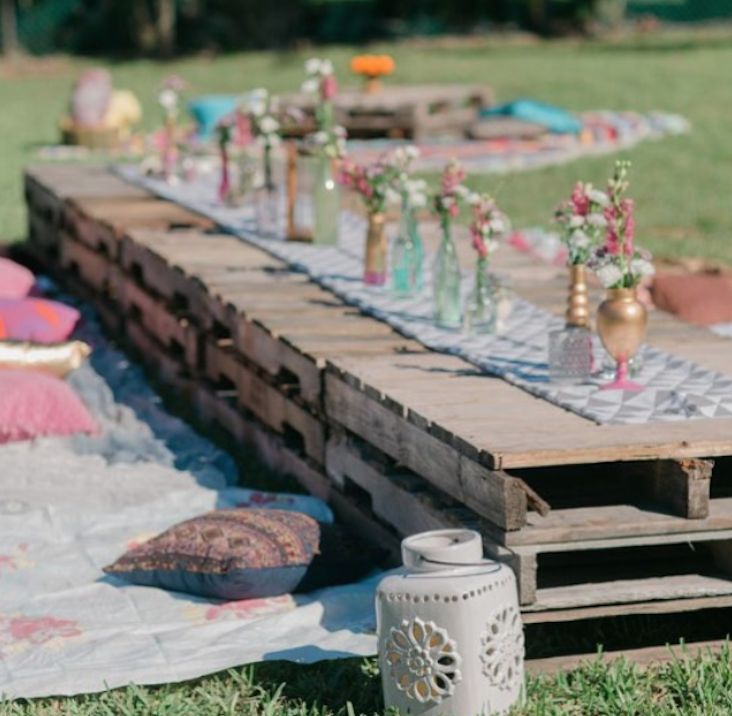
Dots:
pixel 675 388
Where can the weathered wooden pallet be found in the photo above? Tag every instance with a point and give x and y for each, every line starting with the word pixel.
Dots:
pixel 410 504
pixel 174 332
pixel 412 111
pixel 225 369
pixel 399 406
pixel 101 222
pixel 91 268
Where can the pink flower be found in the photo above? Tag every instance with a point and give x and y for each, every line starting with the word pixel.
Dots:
pixel 620 228
pixel 328 87
pixel 479 242
pixel 6 562
pixel 39 630
pixel 579 200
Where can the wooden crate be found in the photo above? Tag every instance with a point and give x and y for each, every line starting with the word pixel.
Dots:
pixel 89 267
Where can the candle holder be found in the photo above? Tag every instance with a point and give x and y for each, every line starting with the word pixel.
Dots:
pixel 450 637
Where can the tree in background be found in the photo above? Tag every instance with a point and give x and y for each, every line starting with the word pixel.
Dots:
pixel 9 23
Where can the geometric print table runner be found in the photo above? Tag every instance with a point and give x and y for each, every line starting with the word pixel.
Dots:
pixel 675 388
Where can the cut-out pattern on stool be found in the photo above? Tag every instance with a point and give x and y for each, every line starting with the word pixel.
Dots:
pixel 424 660
pixel 503 648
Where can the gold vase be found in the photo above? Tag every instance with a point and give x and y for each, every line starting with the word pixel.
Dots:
pixel 374 272
pixel 621 325
pixel 578 302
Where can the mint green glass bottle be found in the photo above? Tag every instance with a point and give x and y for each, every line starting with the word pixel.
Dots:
pixel 407 256
pixel 446 282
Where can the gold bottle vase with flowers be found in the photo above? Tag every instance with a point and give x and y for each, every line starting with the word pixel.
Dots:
pixel 621 266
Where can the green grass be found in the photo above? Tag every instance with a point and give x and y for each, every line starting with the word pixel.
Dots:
pixel 698 686
pixel 680 183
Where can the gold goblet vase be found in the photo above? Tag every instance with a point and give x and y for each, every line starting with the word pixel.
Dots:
pixel 621 325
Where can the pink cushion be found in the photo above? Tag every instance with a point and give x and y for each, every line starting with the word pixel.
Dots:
pixel 16 281
pixel 36 405
pixel 36 319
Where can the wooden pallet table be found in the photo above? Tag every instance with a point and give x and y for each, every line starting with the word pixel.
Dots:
pixel 595 520
pixel 412 112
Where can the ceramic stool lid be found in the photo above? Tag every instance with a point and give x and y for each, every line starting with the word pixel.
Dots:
pixel 442 549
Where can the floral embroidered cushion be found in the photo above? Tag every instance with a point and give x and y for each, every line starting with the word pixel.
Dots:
pixel 16 281
pixel 228 554
pixel 36 404
pixel 36 319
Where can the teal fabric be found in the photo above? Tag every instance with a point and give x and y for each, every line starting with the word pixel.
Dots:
pixel 208 110
pixel 555 119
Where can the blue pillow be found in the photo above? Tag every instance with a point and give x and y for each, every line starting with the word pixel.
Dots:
pixel 208 110
pixel 555 119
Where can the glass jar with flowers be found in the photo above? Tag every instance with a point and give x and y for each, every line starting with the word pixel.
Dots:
pixel 446 268
pixel 621 266
pixel 489 225
pixel 263 109
pixel 582 221
pixel 407 252
pixel 374 184
pixel 169 101
pixel 314 199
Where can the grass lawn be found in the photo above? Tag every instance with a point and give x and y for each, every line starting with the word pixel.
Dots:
pixel 679 182
pixel 683 209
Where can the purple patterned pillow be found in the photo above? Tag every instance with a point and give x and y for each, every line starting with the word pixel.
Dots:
pixel 229 554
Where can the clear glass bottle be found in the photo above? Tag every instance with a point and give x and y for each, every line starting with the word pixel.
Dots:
pixel 446 282
pixel 481 309
pixel 407 256
pixel 268 197
pixel 374 272
pixel 326 203
pixel 313 199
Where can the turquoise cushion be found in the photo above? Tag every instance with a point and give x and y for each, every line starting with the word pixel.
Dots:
pixel 553 118
pixel 208 110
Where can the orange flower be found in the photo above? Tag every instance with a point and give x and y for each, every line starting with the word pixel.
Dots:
pixel 373 65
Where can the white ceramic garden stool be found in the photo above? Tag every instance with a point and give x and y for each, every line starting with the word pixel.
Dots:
pixel 451 640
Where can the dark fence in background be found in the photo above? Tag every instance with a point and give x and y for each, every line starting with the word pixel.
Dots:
pixel 127 26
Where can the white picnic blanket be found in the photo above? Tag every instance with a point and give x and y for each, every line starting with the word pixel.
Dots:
pixel 68 507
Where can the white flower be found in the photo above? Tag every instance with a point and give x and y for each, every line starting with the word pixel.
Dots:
pixel 313 66
pixel 339 131
pixel 610 275
pixel 326 67
pixel 598 197
pixel 268 125
pixel 580 239
pixel 411 151
pixel 260 94
pixel 392 197
pixel 596 220
pixel 497 225
pixel 641 267
pixel 310 86
pixel 168 99
pixel 320 137
pixel 462 191
pixel 473 199
pixel 576 221
pixel 257 107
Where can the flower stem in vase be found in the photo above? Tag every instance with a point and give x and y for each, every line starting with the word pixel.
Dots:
pixel 225 181
pixel 446 282
pixel 375 260
pixel 621 325
pixel 169 149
